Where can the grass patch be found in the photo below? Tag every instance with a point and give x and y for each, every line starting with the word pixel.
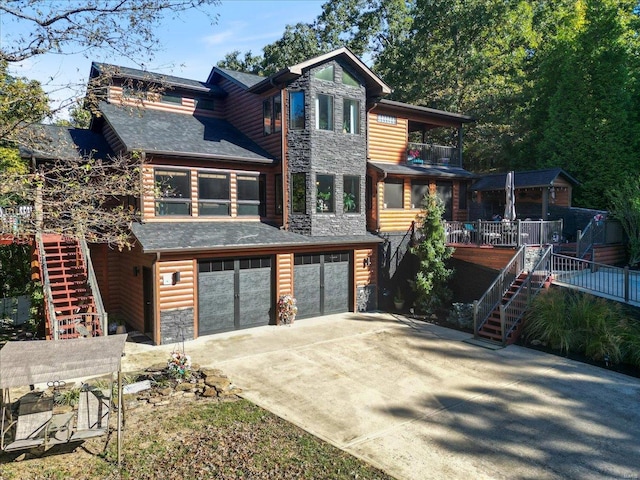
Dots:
pixel 200 439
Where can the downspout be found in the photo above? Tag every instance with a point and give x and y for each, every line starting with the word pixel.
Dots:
pixel 284 162
pixel 156 300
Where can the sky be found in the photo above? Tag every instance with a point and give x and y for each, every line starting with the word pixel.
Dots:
pixel 187 47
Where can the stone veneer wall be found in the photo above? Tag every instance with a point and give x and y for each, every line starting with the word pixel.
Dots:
pixel 176 325
pixel 314 152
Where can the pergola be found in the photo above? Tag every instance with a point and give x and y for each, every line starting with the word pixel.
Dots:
pixel 52 362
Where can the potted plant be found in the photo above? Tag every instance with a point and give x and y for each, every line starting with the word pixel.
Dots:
pixel 398 300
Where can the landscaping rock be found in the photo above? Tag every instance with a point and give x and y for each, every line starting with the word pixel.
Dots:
pixel 188 394
pixel 162 403
pixel 211 372
pixel 210 392
pixel 218 382
pixel 184 387
pixel 165 391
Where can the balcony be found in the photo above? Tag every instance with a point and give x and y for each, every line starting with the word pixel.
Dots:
pixel 430 154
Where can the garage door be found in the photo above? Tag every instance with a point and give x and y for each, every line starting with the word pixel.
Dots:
pixel 234 294
pixel 321 283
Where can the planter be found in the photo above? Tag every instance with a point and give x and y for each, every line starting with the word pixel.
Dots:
pixel 121 329
pixel 398 305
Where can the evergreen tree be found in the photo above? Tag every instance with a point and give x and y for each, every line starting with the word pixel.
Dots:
pixel 430 284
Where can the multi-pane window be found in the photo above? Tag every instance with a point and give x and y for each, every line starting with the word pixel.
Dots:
pixel 325 199
pixel 388 119
pixel 351 116
pixel 272 114
pixel 172 192
pixel 324 112
pixel 351 194
pixel 419 188
pixel 325 74
pixel 299 193
pixel 296 110
pixel 393 193
pixel 248 194
pixel 349 79
pixel 213 194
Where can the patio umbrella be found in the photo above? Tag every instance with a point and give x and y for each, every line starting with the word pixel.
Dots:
pixel 510 205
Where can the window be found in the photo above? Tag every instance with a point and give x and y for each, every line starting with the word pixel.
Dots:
pixel 267 116
pixel 324 112
pixel 325 74
pixel 171 98
pixel 172 192
pixel 272 115
pixel 388 119
pixel 204 103
pixel 462 196
pixel 278 194
pixel 351 194
pixel 299 193
pixel 325 201
pixel 349 79
pixel 213 194
pixel 419 188
pixel 393 193
pixel 248 194
pixel 296 110
pixel 351 114
pixel 368 194
pixel 444 191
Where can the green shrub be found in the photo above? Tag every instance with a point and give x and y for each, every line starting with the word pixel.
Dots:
pixel 576 322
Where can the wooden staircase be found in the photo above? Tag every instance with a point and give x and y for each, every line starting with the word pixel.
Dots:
pixel 70 306
pixel 491 329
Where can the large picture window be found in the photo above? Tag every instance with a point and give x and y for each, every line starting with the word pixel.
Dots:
pixel 299 193
pixel 351 116
pixel 272 115
pixel 351 194
pixel 172 192
pixel 325 200
pixel 213 194
pixel 419 188
pixel 296 110
pixel 393 193
pixel 248 194
pixel 324 112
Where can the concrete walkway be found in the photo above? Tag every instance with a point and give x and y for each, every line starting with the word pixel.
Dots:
pixel 416 401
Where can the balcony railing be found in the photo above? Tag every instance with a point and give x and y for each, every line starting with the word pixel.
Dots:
pixel 504 234
pixel 16 220
pixel 429 154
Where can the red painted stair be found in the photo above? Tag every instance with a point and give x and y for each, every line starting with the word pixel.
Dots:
pixel 73 305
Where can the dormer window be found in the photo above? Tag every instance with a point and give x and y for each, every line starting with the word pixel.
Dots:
pixel 349 79
pixel 324 112
pixel 325 74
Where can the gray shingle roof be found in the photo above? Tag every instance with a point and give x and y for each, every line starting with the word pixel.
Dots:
pixel 51 142
pixel 426 170
pixel 168 133
pixel 247 80
pixel 232 235
pixel 167 80
pixel 528 179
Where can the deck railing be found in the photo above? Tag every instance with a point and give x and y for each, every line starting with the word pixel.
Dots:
pixel 430 154
pixel 16 220
pixel 493 296
pixel 504 233
pixel 615 283
pixel 93 285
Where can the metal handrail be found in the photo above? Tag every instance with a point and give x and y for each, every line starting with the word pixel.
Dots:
pixel 620 284
pixel 513 310
pixel 483 307
pixel 46 288
pixel 93 284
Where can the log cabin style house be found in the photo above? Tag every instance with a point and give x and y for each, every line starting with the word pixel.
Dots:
pixel 301 183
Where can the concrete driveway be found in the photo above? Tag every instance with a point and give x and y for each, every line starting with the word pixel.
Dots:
pixel 416 401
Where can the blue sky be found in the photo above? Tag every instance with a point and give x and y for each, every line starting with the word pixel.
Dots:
pixel 188 46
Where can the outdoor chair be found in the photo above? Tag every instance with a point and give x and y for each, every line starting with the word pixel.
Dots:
pixel 469 232
pixel 93 413
pixel 34 414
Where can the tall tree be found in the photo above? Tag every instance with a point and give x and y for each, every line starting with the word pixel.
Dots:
pixel 580 114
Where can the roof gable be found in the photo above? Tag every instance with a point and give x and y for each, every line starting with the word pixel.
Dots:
pixel 52 142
